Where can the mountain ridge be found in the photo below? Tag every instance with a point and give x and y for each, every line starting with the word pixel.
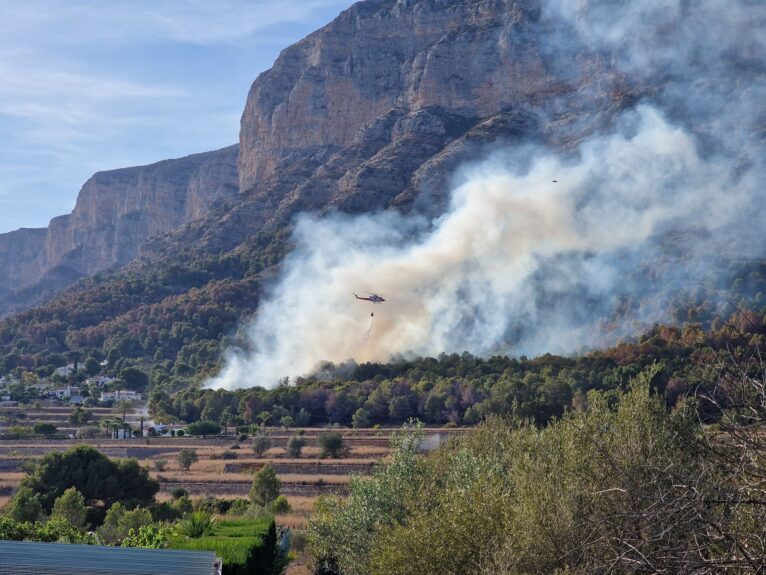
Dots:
pixel 115 213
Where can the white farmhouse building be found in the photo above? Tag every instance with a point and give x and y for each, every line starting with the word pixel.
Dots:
pixel 119 395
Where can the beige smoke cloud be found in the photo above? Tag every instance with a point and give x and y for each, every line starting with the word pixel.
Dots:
pixel 470 279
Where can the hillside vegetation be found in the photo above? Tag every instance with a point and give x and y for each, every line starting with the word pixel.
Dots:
pixel 619 485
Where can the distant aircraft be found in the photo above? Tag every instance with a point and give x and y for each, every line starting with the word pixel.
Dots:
pixel 374 298
pixel 555 181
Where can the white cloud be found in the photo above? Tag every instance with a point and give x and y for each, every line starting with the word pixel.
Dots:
pixel 192 21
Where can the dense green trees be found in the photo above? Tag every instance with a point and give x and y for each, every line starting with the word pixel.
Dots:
pixel 101 481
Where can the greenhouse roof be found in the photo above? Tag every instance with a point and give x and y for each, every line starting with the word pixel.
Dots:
pixel 23 557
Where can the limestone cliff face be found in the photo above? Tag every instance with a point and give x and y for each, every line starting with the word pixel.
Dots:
pixel 116 212
pixel 468 57
pixel 378 108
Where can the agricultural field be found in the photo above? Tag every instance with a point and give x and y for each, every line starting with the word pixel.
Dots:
pixel 225 464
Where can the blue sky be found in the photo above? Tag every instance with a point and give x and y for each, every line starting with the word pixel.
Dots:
pixel 89 85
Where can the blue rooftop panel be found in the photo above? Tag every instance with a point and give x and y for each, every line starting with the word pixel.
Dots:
pixel 23 557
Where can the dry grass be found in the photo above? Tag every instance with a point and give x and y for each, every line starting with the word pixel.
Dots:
pixel 311 478
pixel 292 520
pixel 302 504
pixel 12 477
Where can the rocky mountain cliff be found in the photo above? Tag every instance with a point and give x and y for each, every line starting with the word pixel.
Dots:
pixel 379 107
pixel 115 213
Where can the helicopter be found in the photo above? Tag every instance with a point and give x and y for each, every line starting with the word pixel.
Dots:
pixel 373 297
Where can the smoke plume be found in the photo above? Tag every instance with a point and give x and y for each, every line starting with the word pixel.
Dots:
pixel 537 248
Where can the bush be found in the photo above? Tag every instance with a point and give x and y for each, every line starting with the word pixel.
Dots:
pixel 361 418
pixel 280 505
pixel 150 537
pixel 261 444
pixel 198 524
pixel 159 464
pixel 55 530
pixel 180 433
pixel 187 457
pixel 44 428
pixel 178 492
pixel 238 507
pixel 119 522
pixel 203 428
pixel 295 446
pixel 332 445
pixel 24 506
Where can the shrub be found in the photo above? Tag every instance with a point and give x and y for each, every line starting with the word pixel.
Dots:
pixel 159 464
pixel 196 525
pixel 286 421
pixel 150 537
pixel 119 522
pixel 24 506
pixel 239 507
pixel 178 492
pixel 187 457
pixel 303 418
pixel 295 446
pixel 180 433
pixel 332 445
pixel 55 530
pixel 280 505
pixel 261 444
pixel 203 428
pixel 44 428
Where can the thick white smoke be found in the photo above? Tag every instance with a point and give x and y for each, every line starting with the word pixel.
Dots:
pixel 521 263
pixel 467 282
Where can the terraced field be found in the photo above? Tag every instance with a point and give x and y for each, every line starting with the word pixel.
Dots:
pixel 225 465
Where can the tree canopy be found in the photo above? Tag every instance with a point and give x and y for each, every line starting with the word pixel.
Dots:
pixel 101 480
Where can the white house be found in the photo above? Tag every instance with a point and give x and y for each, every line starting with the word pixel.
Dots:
pixel 99 380
pixel 119 395
pixel 67 392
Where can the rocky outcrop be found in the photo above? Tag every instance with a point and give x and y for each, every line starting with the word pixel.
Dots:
pixel 380 107
pixel 116 212
pixel 474 58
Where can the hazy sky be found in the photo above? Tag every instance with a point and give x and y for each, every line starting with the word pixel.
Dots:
pixel 89 85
